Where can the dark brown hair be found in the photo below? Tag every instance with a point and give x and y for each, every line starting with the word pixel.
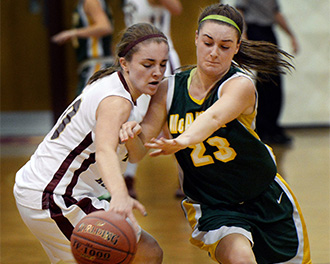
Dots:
pixel 131 35
pixel 261 56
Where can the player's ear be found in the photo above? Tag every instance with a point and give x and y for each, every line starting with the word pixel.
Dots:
pixel 123 63
pixel 238 46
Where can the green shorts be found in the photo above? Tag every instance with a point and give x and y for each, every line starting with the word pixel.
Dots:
pixel 273 222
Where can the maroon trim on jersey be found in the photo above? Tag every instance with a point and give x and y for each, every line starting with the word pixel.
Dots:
pixel 84 166
pixel 63 169
pixel 123 81
pixel 171 65
pixel 84 204
pixel 62 222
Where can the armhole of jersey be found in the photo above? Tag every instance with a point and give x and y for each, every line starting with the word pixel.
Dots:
pixel 98 91
pixel 240 74
pixel 170 92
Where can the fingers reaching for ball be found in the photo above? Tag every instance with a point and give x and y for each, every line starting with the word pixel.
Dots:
pixel 140 207
pixel 131 217
pixel 124 204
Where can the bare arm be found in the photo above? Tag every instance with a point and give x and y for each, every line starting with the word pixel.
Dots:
pixel 174 6
pixel 100 26
pixel 238 98
pixel 151 125
pixel 112 112
pixel 281 21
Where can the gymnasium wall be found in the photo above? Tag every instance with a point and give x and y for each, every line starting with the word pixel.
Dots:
pixel 25 59
pixel 307 89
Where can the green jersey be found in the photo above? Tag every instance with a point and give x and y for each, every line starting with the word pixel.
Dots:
pixel 93 47
pixel 229 167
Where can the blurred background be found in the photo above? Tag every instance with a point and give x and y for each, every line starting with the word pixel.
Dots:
pixel 39 79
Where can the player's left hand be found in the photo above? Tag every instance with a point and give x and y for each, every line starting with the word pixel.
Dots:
pixel 64 36
pixel 163 146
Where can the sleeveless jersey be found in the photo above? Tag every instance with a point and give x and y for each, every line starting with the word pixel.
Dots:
pixel 64 163
pixel 140 11
pixel 229 167
pixel 93 47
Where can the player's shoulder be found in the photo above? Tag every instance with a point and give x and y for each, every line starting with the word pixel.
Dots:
pixel 239 81
pixel 237 76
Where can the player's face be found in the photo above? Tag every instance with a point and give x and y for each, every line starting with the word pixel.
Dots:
pixel 147 67
pixel 216 46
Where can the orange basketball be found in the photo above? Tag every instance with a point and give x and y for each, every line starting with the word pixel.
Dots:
pixel 103 237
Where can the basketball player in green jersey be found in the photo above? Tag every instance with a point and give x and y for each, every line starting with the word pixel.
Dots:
pixel 239 208
pixel 91 36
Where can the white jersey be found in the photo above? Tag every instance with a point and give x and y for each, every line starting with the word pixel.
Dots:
pixel 64 163
pixel 140 11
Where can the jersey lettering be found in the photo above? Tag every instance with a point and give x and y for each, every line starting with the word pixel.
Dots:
pixel 173 124
pixel 66 120
pixel 198 157
pixel 100 181
pixel 180 125
pixel 224 154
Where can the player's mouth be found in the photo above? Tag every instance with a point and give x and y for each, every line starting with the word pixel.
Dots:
pixel 212 62
pixel 154 83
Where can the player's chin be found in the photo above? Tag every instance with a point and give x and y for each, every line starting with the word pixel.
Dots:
pixel 152 88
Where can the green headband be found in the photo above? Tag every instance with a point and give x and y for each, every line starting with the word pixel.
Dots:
pixel 223 19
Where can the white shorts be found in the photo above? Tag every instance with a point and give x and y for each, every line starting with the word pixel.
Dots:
pixel 54 231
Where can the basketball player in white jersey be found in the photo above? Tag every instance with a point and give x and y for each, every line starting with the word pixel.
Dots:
pixel 81 159
pixel 158 13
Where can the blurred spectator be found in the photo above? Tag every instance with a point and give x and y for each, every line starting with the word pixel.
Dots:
pixel 158 13
pixel 91 36
pixel 260 17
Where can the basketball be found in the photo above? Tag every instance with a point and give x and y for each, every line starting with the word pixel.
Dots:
pixel 103 237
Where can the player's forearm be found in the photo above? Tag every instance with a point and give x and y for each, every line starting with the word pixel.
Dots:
pixel 199 130
pixel 108 165
pixel 174 6
pixel 281 21
pixel 136 149
pixel 93 31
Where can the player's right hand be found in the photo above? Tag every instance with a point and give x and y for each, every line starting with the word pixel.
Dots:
pixel 128 130
pixel 123 204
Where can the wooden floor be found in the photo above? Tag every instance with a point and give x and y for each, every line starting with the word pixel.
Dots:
pixel 305 165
